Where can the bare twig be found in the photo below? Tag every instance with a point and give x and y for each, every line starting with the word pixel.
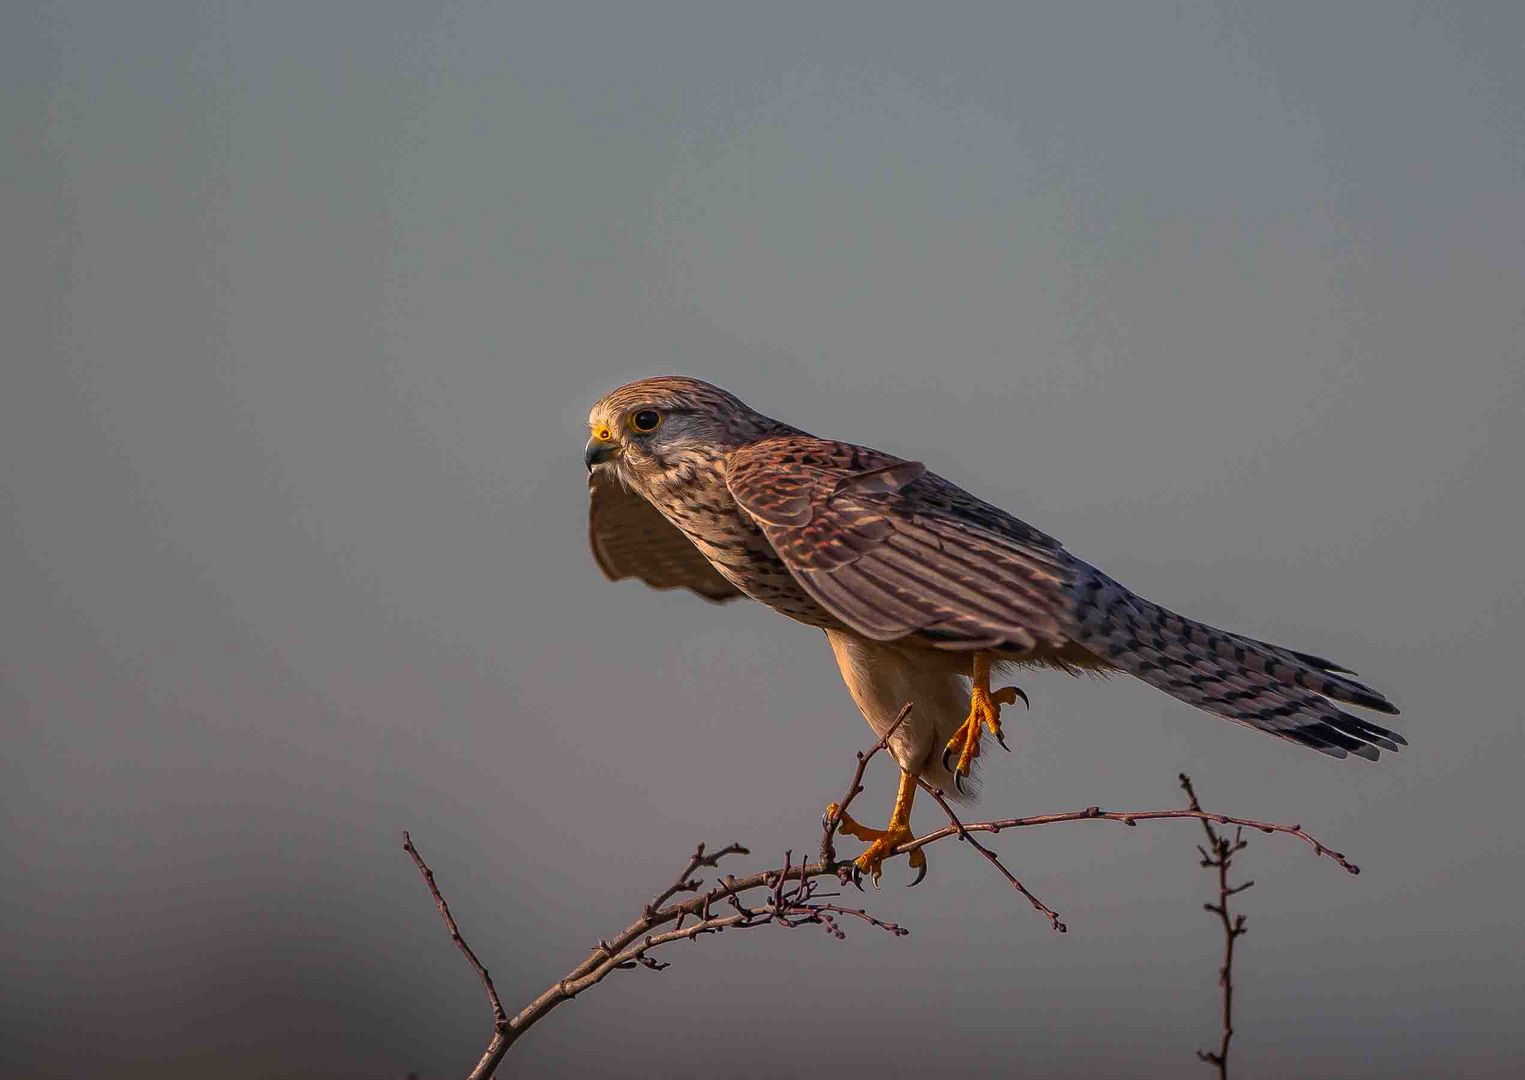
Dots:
pixel 832 820
pixel 790 897
pixel 1219 854
pixel 499 1017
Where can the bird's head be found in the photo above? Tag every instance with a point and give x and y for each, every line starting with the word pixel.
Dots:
pixel 660 432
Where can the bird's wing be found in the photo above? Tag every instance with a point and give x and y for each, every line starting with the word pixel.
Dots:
pixel 630 538
pixel 893 550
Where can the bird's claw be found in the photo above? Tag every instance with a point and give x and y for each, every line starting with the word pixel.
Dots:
pixel 871 862
pixel 1008 695
pixel 984 713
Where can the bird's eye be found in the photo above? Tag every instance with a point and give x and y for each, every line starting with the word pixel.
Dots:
pixel 646 420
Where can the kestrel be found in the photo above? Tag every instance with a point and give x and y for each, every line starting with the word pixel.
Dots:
pixel 918 585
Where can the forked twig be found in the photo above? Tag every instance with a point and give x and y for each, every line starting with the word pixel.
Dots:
pixel 964 833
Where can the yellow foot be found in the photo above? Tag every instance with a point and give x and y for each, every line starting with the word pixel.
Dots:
pixel 984 712
pixel 883 842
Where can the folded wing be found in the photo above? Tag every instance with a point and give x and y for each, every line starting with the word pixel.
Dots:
pixel 893 550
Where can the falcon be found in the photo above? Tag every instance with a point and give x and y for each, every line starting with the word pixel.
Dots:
pixel 921 588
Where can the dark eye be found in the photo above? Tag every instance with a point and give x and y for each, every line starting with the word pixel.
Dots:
pixel 646 420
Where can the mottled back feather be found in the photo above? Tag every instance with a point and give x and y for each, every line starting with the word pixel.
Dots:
pixel 893 550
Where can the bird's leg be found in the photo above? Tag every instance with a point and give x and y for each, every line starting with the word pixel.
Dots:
pixel 984 712
pixel 885 840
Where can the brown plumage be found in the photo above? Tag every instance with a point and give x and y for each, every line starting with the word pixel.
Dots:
pixel 909 574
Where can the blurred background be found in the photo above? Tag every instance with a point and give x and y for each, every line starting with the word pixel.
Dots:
pixel 304 308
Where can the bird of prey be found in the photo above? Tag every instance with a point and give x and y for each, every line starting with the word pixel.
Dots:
pixel 918 584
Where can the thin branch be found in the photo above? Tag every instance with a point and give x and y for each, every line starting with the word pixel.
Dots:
pixel 499 1017
pixel 1219 855
pixel 791 897
pixel 1131 817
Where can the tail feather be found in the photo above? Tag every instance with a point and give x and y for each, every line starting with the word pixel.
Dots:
pixel 1286 693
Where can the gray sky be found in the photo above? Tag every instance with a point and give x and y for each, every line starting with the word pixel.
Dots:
pixel 305 306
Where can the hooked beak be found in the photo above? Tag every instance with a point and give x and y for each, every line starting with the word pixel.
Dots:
pixel 598 452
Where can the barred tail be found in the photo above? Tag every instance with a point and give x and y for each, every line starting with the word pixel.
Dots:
pixel 1289 694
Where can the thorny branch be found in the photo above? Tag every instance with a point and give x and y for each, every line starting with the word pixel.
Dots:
pixel 789 896
pixel 1219 854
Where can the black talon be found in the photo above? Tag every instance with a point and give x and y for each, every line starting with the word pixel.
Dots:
pixel 958 781
pixel 921 873
pixel 1023 695
pixel 1000 738
pixel 857 877
pixel 947 750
